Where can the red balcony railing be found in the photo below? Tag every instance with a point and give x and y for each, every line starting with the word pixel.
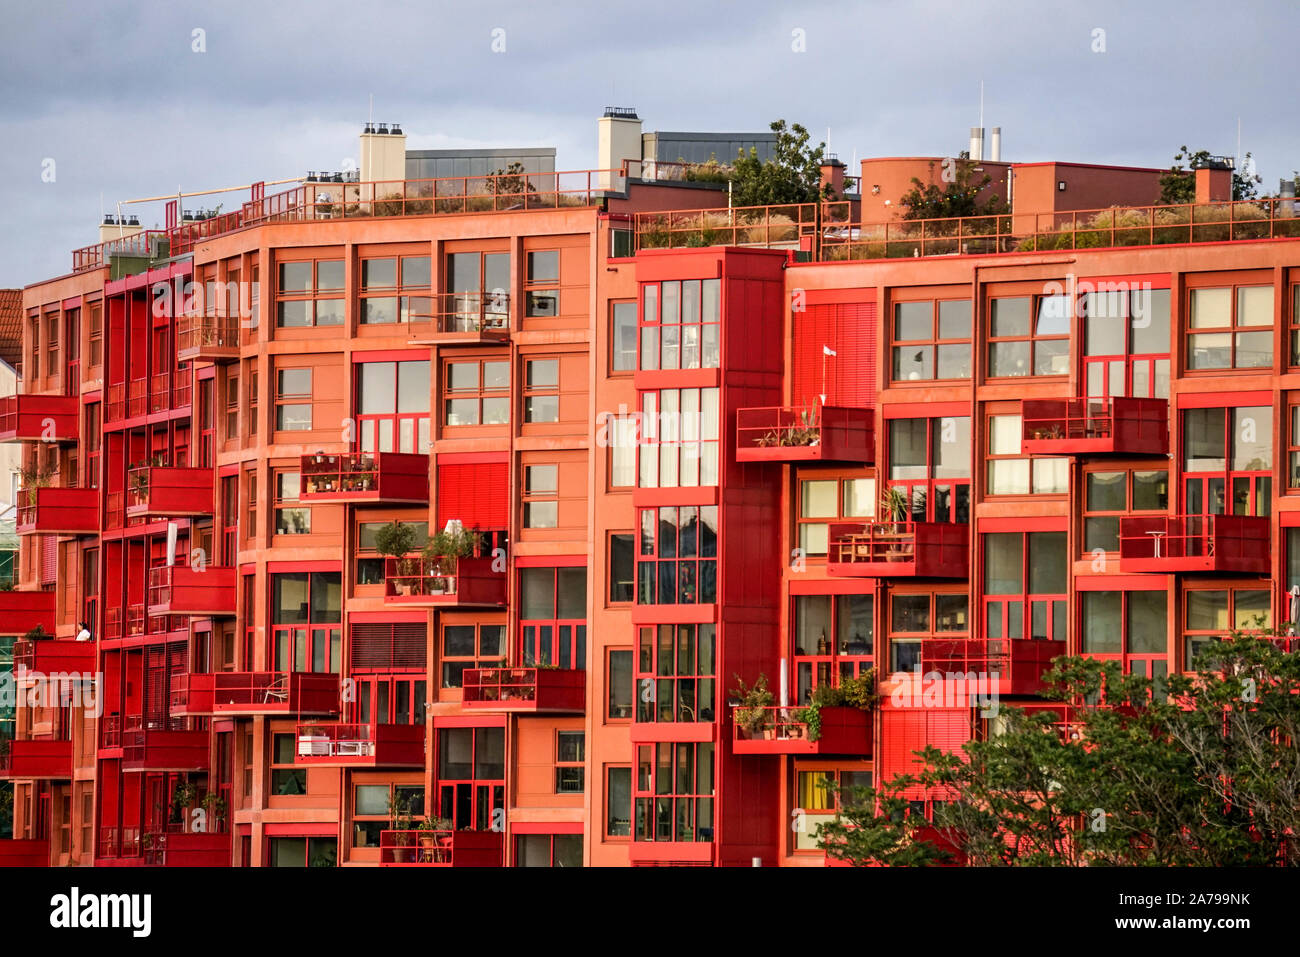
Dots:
pixel 22 610
pixel 1089 426
pixel 163 744
pixel 255 692
pixel 137 397
pixel 166 491
pixel 146 243
pixel 561 690
pixel 159 392
pixel 24 852
pixel 792 226
pixel 110 731
pixel 46 656
pixel 207 338
pixel 116 843
pixel 58 511
pixel 186 849
pixel 36 758
pixel 1009 666
pixel 462 582
pixel 36 418
pixel 203 590
pixel 364 477
pixel 361 745
pixel 1195 543
pixel 441 848
pixel 782 730
pixel 827 434
pixel 900 549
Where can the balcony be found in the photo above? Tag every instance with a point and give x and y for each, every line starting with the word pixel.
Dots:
pixel 37 758
pixel 21 611
pixel 831 434
pixel 58 511
pixel 40 418
pixel 361 745
pixel 778 730
pixel 1013 666
pixel 900 550
pixel 441 848
pixel 164 491
pixel 459 582
pixel 46 656
pixel 1102 426
pixel 529 690
pixel 245 693
pixel 162 748
pixel 384 477
pixel 207 338
pixel 202 591
pixel 186 849
pixel 128 623
pixel 469 318
pixel 24 852
pixel 1195 543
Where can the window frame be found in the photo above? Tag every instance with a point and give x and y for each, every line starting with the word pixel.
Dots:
pixel 1234 330
pixel 1032 338
pixel 934 341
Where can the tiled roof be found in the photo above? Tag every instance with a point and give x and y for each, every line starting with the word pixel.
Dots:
pixel 11 325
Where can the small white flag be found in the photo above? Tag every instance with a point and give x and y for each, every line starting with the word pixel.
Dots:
pixel 828 351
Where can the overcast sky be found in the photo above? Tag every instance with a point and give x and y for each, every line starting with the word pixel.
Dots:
pixel 115 95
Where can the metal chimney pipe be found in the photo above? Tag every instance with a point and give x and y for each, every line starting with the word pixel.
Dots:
pixel 1286 192
pixel 977 143
pixel 995 145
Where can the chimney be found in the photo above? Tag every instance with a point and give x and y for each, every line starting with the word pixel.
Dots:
pixel 833 173
pixel 977 143
pixel 1286 192
pixel 118 227
pixel 618 135
pixel 383 154
pixel 995 145
pixel 1214 184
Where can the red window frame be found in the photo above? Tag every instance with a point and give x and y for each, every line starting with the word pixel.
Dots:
pixel 662 812
pixel 480 393
pixel 1032 338
pixel 1106 520
pixel 1001 619
pixel 1194 637
pixel 489 650
pixel 1207 492
pixel 686 440
pixel 393 698
pixel 553 640
pixel 471 802
pixel 683 688
pixel 1146 663
pixel 411 301
pixel 1126 373
pixel 905 638
pixel 407 432
pixel 935 342
pixel 829 660
pixel 664 576
pixel 932 497
pixel 312 295
pixel 681 319
pixel 1233 332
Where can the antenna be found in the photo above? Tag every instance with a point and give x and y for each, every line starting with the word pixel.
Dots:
pixel 981 104
pixel 1238 162
pixel 372 107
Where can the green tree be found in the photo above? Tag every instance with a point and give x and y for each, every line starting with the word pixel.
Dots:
pixel 958 197
pixel 1178 183
pixel 792 175
pixel 1187 770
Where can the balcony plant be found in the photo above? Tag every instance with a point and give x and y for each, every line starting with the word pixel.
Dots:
pixel 445 547
pixel 893 514
pixel 396 540
pixel 859 692
pixel 752 703
pixel 34 477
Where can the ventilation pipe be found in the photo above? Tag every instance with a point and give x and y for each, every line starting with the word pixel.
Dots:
pixel 995 145
pixel 977 143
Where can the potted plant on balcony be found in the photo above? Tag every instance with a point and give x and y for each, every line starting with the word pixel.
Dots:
pixel 430 850
pixel 399 821
pixel 214 805
pixel 859 692
pixel 752 702
pixel 34 477
pixel 442 553
pixel 396 540
pixel 893 514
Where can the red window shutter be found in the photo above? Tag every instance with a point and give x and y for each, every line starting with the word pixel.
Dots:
pixel 389 646
pixel 476 493
pixel 49 559
pixel 848 378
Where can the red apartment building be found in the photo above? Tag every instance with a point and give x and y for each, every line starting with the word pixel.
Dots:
pixel 672 435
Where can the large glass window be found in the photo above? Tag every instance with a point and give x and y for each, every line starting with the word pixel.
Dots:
pixel 915 617
pixel 1029 335
pixel 679 438
pixel 681 324
pixel 476 392
pixel 1228 457
pixel 1108 495
pixel 677 560
pixel 674 792
pixel 310 293
pixel 830 500
pixel 1230 328
pixel 833 639
pixel 466 646
pixel 1212 614
pixel 930 462
pixel 1127 626
pixel 1025 574
pixel 931 340
pixel 553 616
pixel 393 406
pixel 1010 473
pixel 470 777
pixel 307 633
pixel 676 673
pixel 1126 342
pixel 395 289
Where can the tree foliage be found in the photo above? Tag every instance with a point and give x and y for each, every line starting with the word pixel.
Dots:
pixel 792 175
pixel 1178 184
pixel 959 196
pixel 1199 769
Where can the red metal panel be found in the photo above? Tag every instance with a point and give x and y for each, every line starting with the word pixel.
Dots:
pixel 476 493
pixel 849 377
pixel 525 689
pixel 389 645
